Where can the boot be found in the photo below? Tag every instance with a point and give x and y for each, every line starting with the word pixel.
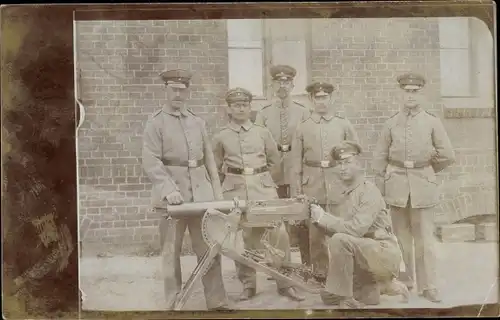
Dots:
pixel 247 294
pixel 291 293
pixel 432 295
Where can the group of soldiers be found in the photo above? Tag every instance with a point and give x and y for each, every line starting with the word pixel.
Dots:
pixel 359 231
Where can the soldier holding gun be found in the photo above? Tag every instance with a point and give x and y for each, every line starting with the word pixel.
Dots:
pixel 177 157
pixel 364 255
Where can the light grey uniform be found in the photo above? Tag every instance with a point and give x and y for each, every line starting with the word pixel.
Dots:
pixel 412 148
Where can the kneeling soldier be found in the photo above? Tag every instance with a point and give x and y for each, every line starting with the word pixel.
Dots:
pixel 245 154
pixel 363 252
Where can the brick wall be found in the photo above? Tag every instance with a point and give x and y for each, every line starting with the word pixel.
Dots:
pixel 364 60
pixel 119 63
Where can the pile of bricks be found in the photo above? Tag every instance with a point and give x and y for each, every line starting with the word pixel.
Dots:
pixel 460 232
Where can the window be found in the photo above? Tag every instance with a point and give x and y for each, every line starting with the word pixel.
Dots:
pixel 466 53
pixel 245 52
pixel 259 42
pixel 455 55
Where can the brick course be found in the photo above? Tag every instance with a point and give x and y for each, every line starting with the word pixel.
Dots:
pixel 120 61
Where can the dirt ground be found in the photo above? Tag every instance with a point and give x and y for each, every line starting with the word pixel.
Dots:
pixel 468 275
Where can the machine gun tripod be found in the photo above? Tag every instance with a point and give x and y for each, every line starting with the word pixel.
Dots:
pixel 221 229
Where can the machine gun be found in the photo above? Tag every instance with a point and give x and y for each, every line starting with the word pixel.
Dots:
pixel 221 225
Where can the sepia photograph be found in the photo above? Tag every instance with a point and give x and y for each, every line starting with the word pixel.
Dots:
pixel 266 164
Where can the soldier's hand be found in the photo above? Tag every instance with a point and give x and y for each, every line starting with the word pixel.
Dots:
pixel 175 198
pixel 316 212
pixel 301 197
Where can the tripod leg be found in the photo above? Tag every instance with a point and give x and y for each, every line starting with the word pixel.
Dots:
pixel 167 236
pixel 200 270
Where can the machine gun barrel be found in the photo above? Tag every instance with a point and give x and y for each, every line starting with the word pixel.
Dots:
pixel 190 209
pixel 254 210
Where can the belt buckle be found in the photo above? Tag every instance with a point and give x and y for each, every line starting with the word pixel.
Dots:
pixel 192 163
pixel 285 147
pixel 248 170
pixel 409 164
pixel 325 164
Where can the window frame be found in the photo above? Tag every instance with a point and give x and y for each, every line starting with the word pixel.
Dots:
pixel 267 59
pixel 470 63
pixel 476 104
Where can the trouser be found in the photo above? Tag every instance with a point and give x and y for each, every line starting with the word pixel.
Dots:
pixel 360 263
pixel 215 293
pixel 317 237
pixel 252 241
pixel 298 233
pixel 412 224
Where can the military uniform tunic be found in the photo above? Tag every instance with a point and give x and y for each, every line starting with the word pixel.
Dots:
pixel 170 138
pixel 180 136
pixel 313 142
pixel 249 146
pixel 414 138
pixel 282 120
pixel 362 240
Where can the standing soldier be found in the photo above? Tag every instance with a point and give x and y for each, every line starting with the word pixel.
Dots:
pixel 412 148
pixel 312 166
pixel 178 158
pixel 281 117
pixel 245 154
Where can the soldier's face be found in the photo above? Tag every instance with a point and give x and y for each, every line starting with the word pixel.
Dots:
pixel 322 103
pixel 176 95
pixel 282 87
pixel 240 110
pixel 349 168
pixel 412 97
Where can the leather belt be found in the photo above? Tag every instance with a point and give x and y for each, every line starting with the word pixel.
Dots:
pixel 320 164
pixel 246 171
pixel 409 164
pixel 183 163
pixel 284 147
pixel 371 234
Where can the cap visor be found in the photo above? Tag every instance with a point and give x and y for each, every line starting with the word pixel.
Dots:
pixel 177 85
pixel 321 94
pixel 346 155
pixel 411 87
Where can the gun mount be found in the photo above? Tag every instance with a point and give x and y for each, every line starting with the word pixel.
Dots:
pixel 221 225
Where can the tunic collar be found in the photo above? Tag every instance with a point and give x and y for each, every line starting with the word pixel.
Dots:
pixel 177 113
pixel 237 127
pixel 412 111
pixel 283 104
pixel 317 117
